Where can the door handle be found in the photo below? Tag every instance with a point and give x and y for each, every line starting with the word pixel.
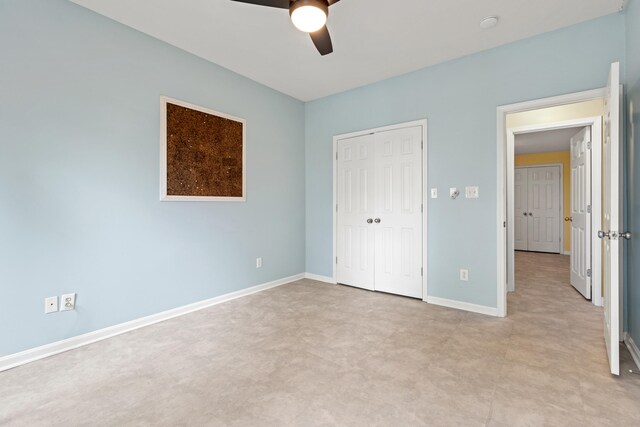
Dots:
pixel 568 218
pixel 377 220
pixel 603 234
pixel 530 214
pixel 369 221
pixel 626 235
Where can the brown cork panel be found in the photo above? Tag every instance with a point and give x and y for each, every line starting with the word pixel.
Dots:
pixel 204 154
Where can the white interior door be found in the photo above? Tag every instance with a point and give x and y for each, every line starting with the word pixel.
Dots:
pixel 356 209
pixel 520 200
pixel 544 209
pixel 398 221
pixel 611 220
pixel 580 211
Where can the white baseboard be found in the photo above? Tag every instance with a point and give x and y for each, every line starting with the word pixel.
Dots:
pixel 633 348
pixel 17 359
pixel 319 278
pixel 482 309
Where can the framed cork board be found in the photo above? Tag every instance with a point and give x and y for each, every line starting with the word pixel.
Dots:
pixel 202 154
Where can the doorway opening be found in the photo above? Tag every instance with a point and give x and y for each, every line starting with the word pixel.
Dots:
pixel 554 194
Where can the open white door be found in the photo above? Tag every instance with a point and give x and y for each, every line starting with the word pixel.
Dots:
pixel 611 220
pixel 581 212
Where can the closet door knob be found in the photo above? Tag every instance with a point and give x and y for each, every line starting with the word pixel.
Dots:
pixel 530 214
pixel 524 213
pixel 369 221
pixel 377 220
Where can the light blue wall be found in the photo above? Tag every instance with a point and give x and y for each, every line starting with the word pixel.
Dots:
pixel 79 155
pixel 459 98
pixel 633 167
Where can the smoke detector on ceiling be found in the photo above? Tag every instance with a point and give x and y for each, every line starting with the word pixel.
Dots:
pixel 489 22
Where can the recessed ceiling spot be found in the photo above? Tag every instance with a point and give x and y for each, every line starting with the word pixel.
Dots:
pixel 489 22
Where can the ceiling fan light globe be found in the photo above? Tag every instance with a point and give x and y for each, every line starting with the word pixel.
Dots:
pixel 309 17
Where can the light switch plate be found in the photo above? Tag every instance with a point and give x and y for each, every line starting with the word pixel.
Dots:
pixel 464 275
pixel 453 193
pixel 472 192
pixel 434 193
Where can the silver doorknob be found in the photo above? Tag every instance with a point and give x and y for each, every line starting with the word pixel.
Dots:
pixel 369 221
pixel 626 235
pixel 377 220
pixel 603 234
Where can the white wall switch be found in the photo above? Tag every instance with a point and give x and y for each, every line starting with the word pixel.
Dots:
pixel 434 193
pixel 454 193
pixel 472 192
pixel 464 275
pixel 259 262
pixel 50 305
pixel 67 302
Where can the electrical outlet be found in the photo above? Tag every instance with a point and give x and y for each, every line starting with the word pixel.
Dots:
pixel 67 302
pixel 434 193
pixel 259 262
pixel 464 275
pixel 472 192
pixel 454 193
pixel 50 305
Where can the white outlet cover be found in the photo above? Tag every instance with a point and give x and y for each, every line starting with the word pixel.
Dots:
pixel 464 275
pixel 67 302
pixel 434 193
pixel 50 305
pixel 472 192
pixel 258 262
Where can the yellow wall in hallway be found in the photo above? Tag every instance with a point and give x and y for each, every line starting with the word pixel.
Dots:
pixel 579 110
pixel 563 157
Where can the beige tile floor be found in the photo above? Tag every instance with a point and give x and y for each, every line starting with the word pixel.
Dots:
pixel 308 354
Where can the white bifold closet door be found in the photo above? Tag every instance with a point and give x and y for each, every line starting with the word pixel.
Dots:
pixel 537 208
pixel 379 218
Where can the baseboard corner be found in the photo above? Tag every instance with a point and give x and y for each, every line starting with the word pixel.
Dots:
pixel 319 278
pixel 465 306
pixel 633 348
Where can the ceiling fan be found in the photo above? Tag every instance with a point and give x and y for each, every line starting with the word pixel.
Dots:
pixel 309 16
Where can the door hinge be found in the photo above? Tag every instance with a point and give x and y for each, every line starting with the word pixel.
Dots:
pixel 336 208
pixel 588 272
pixel 422 208
pixel 421 271
pixel 588 145
pixel 336 260
pixel 422 145
pixel 588 208
pixel 336 155
pixel 504 224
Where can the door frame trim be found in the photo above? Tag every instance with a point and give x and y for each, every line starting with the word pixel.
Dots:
pixel 511 225
pixel 501 185
pixel 336 138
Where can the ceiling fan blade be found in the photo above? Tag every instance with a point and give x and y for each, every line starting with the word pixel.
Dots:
pixel 282 4
pixel 322 40
pixel 333 2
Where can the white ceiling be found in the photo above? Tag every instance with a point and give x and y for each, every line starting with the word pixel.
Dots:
pixel 372 39
pixel 545 141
